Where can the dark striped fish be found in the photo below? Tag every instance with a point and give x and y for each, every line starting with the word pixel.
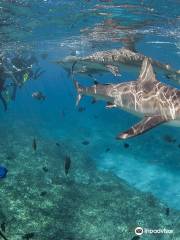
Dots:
pixel 67 164
pixel 34 144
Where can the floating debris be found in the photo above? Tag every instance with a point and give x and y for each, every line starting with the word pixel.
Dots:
pixel 34 144
pixel 86 142
pixel 67 164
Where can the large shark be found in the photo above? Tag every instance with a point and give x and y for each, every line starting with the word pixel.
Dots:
pixel 114 61
pixel 157 102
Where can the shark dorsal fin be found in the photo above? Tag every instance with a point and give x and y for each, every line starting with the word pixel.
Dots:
pixel 147 73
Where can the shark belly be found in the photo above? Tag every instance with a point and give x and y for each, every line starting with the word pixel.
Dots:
pixel 142 107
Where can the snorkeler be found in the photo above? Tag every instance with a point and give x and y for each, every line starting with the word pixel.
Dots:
pixel 7 74
pixel 23 71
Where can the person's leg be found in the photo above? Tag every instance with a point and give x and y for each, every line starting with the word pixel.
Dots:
pixel 13 97
pixel 3 102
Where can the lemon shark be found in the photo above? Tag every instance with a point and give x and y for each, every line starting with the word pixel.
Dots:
pixel 114 61
pixel 157 102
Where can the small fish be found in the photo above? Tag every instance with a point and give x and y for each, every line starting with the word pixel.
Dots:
pixel 169 139
pixel 34 144
pixel 108 149
pixel 45 169
pixel 38 95
pixel 67 164
pixel 126 145
pixel 81 109
pixel 85 142
pixel 167 212
pixel 43 193
pixel 57 144
pixel 93 101
pixel 28 236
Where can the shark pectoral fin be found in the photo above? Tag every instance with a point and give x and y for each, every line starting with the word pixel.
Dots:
pixel 146 124
pixel 79 90
pixel 78 99
pixel 113 69
pixel 110 105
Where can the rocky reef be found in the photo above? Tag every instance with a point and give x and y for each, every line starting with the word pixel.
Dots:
pixel 39 201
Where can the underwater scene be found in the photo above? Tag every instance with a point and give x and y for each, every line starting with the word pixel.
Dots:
pixel 90 119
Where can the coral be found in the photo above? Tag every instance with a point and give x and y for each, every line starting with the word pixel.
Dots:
pixel 85 205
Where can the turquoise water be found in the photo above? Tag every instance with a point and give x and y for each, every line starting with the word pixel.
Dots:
pixel 150 163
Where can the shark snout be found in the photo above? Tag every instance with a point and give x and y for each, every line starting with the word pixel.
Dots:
pixel 122 136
